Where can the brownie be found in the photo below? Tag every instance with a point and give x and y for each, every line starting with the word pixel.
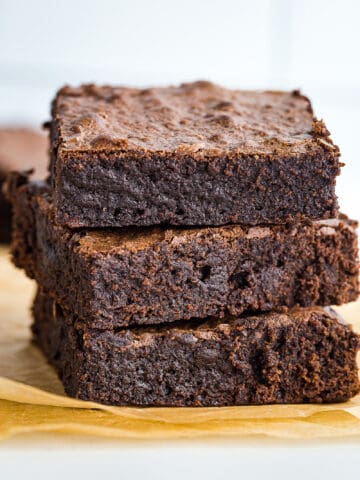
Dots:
pixel 20 148
pixel 305 355
pixel 117 278
pixel 197 154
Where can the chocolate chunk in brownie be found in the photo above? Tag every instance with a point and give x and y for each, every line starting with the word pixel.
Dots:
pixel 20 149
pixel 129 277
pixel 196 154
pixel 305 355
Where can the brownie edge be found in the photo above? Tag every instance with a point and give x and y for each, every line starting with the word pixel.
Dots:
pixel 303 356
pixel 193 155
pixel 124 278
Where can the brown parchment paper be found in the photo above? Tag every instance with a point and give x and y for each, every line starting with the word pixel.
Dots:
pixel 32 397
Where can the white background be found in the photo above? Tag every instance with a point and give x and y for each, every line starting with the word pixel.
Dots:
pixel 309 44
pixel 312 44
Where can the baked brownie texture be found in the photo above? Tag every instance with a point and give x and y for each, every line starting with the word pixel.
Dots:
pixel 197 154
pixel 20 148
pixel 305 355
pixel 120 278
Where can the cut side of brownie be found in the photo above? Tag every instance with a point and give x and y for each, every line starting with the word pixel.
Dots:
pixel 305 355
pixel 194 155
pixel 119 278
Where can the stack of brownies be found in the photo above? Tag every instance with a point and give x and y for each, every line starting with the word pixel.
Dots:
pixel 184 247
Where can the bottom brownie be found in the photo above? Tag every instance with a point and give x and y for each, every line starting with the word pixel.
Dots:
pixel 305 355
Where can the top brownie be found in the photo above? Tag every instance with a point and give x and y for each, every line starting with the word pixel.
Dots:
pixel 197 154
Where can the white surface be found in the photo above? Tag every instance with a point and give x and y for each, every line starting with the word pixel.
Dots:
pixel 179 461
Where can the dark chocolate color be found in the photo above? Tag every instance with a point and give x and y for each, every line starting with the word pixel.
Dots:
pixel 306 355
pixel 193 155
pixel 120 278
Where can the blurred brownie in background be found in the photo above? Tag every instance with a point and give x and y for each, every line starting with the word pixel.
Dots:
pixel 20 149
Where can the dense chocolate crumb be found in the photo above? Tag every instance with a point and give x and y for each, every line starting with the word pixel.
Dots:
pixel 146 276
pixel 303 356
pixel 197 154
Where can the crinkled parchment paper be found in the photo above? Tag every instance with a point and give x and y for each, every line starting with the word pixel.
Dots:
pixel 32 398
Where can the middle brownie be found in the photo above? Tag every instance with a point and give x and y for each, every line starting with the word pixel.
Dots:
pixel 119 278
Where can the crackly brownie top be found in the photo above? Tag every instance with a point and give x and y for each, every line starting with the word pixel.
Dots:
pixel 134 240
pixel 194 119
pixel 212 327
